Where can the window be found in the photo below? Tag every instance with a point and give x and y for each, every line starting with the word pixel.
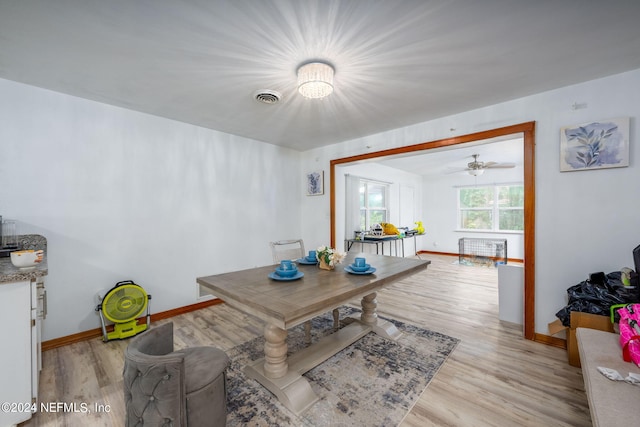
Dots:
pixel 373 203
pixel 491 208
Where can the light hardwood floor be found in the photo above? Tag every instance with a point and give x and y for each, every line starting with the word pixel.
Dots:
pixel 493 378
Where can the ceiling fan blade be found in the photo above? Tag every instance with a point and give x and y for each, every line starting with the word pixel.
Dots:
pixel 494 165
pixel 451 170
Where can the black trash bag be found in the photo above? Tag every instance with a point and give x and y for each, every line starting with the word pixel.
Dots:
pixel 597 298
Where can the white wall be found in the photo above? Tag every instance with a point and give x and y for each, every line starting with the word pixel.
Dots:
pixel 585 221
pixel 123 195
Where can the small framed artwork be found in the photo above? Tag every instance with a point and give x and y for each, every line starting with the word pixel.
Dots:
pixel 315 183
pixel 595 145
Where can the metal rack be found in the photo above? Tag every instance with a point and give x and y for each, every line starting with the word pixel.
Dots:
pixel 482 251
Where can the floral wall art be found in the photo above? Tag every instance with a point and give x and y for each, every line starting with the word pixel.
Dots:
pixel 315 183
pixel 595 145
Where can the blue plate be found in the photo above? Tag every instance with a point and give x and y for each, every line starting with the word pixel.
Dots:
pixel 369 271
pixel 366 267
pixel 305 261
pixel 286 273
pixel 273 275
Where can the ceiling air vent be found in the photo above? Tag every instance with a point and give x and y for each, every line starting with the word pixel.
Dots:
pixel 267 96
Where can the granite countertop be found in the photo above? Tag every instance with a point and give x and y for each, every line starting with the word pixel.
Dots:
pixel 11 274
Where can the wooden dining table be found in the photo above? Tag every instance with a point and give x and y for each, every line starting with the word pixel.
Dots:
pixel 285 304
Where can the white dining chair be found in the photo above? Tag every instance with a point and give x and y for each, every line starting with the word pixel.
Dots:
pixel 287 249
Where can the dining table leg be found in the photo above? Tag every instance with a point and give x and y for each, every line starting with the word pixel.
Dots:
pixel 336 319
pixel 369 317
pixel 369 304
pixel 307 332
pixel 275 352
pixel 283 375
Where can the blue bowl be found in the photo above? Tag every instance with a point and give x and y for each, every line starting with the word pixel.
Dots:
pixel 286 273
pixel 360 269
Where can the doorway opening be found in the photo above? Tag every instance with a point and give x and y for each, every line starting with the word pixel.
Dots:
pixel 527 132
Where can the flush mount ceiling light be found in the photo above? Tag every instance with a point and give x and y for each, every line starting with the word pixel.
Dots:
pixel 315 80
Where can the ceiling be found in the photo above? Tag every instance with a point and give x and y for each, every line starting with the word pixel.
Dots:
pixel 397 62
pixel 454 159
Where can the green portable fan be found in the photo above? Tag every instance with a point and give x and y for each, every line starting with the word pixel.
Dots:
pixel 122 305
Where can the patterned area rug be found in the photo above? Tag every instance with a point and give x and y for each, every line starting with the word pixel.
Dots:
pixel 373 382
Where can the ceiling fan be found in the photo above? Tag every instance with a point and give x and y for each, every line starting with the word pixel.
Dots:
pixel 477 168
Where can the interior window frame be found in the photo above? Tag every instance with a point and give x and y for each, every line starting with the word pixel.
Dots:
pixel 493 206
pixel 367 209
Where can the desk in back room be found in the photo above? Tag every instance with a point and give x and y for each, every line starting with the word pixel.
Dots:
pixel 381 240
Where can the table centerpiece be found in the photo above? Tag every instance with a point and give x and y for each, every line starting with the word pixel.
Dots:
pixel 328 257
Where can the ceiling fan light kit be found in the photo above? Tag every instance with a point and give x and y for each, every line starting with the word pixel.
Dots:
pixel 477 168
pixel 315 80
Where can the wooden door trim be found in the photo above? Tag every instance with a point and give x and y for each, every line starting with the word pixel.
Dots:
pixel 527 129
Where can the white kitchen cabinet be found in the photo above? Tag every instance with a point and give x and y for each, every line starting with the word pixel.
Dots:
pixel 20 357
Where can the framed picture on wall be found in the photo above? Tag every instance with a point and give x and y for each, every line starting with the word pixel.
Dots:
pixel 315 183
pixel 595 145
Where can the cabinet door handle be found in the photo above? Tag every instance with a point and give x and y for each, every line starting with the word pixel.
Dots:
pixel 45 310
pixel 43 305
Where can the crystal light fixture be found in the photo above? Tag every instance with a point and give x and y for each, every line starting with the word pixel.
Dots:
pixel 315 80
